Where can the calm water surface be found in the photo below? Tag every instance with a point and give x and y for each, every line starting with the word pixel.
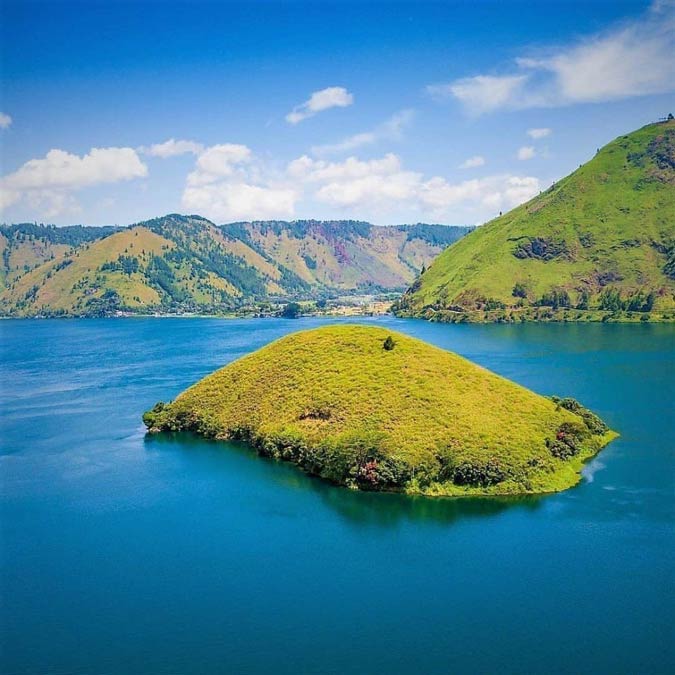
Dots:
pixel 124 554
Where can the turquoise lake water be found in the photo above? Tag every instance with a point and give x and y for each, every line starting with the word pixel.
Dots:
pixel 127 554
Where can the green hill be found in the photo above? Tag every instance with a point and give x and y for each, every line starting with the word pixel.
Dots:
pixel 370 409
pixel 347 254
pixel 25 246
pixel 599 244
pixel 187 263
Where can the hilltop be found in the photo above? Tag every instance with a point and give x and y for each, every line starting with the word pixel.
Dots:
pixel 371 409
pixel 599 244
pixel 182 263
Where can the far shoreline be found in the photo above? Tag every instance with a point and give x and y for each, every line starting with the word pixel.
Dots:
pixel 593 317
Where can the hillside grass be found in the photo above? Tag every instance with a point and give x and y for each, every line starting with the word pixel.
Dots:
pixel 414 418
pixel 68 288
pixel 615 217
pixel 386 257
pixel 179 264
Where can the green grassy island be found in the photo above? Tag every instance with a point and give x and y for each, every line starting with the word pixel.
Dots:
pixel 372 409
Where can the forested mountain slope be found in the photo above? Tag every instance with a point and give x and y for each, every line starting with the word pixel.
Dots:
pixel 186 263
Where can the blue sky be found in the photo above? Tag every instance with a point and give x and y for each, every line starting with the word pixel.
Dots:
pixel 114 112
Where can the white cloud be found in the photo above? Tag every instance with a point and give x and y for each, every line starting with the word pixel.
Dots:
pixel 374 192
pixel 331 97
pixel 8 197
pixel 226 201
pixel 50 180
pixel 5 120
pixel 219 161
pixel 526 152
pixel 518 189
pixel 230 183
pixel 391 130
pixel 52 203
pixel 382 186
pixel 472 162
pixel 172 148
pixel 482 93
pixel 319 170
pixel 536 134
pixel 346 145
pixel 631 59
pixel 61 169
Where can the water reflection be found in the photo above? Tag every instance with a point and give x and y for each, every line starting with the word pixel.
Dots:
pixel 237 462
pixel 389 510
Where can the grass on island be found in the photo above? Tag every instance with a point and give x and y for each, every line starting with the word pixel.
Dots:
pixel 368 408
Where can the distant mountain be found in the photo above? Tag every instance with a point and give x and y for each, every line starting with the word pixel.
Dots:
pixel 27 245
pixel 599 244
pixel 347 254
pixel 187 263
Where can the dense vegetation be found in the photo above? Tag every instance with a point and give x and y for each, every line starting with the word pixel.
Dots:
pixel 369 409
pixel 72 235
pixel 441 235
pixel 438 235
pixel 597 245
pixel 25 246
pixel 183 264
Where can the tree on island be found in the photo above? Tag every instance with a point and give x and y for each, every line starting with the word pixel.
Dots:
pixel 519 290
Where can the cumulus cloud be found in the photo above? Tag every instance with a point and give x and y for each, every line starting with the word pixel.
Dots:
pixel 319 170
pixel 5 120
pixel 331 97
pixel 230 183
pixel 61 169
pixel 390 130
pixel 52 203
pixel 220 161
pixel 526 152
pixel 225 201
pixel 52 179
pixel 172 148
pixel 472 162
pixel 630 59
pixel 383 186
pixel 536 134
pixel 8 197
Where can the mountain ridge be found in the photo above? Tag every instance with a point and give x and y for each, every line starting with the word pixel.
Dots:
pixel 178 263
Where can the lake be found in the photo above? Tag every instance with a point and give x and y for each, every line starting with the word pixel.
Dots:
pixel 122 553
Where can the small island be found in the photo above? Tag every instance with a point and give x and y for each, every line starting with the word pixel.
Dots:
pixel 372 409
